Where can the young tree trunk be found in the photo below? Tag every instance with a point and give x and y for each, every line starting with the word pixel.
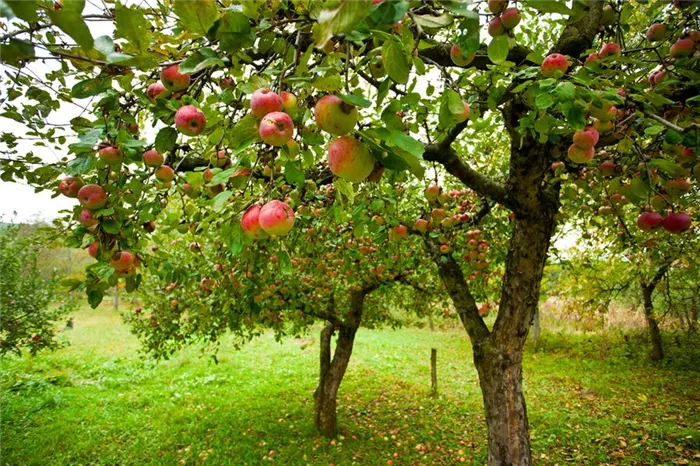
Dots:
pixel 433 372
pixel 332 371
pixel 657 350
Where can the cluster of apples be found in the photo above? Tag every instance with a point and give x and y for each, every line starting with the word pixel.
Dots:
pixel 677 222
pixel 682 48
pixel 276 127
pixel 189 120
pixel 505 19
pixel 275 218
pixel 583 147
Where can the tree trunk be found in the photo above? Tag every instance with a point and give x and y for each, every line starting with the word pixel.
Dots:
pixel 657 350
pixel 332 371
pixel 433 372
pixel 536 326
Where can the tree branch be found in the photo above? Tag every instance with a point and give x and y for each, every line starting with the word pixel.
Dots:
pixel 577 37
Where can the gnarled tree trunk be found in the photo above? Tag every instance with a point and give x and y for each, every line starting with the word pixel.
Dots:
pixel 333 370
pixel 657 350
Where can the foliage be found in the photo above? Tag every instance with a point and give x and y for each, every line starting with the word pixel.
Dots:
pixel 28 309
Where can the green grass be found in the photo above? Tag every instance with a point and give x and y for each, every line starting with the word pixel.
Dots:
pixel 591 400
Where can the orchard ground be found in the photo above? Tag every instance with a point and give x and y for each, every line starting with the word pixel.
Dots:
pixel 592 399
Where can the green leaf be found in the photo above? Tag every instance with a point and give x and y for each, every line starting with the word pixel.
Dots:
pixel 654 130
pixel 80 165
pixel 196 62
pixel 15 51
pixel 222 176
pixel 638 189
pixel 111 226
pixel 245 132
pixel 195 179
pixel 544 100
pixel 91 87
pixel 433 22
pixel 293 174
pixel 566 91
pixel 342 19
pixel 455 104
pixel 576 114
pixel 105 46
pixel 234 32
pixel 69 19
pixel 95 297
pixel 23 9
pixel 550 6
pixel 166 139
pixel 498 49
pixel 285 262
pixel 395 61
pixel 220 200
pixel 407 143
pixel 345 188
pixel 132 25
pixel 413 163
pixel 356 100
pixel 329 83
pixel 389 12
pixel 669 167
pixel 459 7
pixel 196 16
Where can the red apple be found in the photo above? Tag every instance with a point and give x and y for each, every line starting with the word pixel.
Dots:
pixel 458 58
pixel 121 260
pixel 592 60
pixel 603 126
pixel 497 6
pixel 496 28
pixel 173 80
pixel 649 221
pixel 86 219
pixel 110 155
pixel 335 116
pixel 276 128
pixel 153 158
pixel 276 218
pixel 460 117
pixel 605 113
pixel 92 249
pixel 399 232
pixel 421 225
pixel 510 18
pixel 264 101
pixel 190 120
pixel 289 101
pixel 586 138
pixel 156 91
pixel 554 64
pixel 682 48
pixel 607 168
pixel 219 159
pixel 657 32
pixel 165 173
pixel 349 159
pixel 578 155
pixel 69 186
pixel 432 192
pixel 92 196
pixel 677 223
pixel 610 50
pixel 250 223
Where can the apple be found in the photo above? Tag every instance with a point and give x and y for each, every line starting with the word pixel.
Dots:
pixel 444 248
pixel 432 192
pixel 510 18
pixel 649 221
pixel 657 32
pixel 92 196
pixel 586 138
pixel 250 223
pixel 289 101
pixel 460 117
pixel 497 6
pixel 219 159
pixel 335 116
pixel 677 223
pixel 659 203
pixel 156 91
pixel 610 50
pixel 191 191
pixel 165 173
pixel 276 128
pixel 682 48
pixel 293 149
pixel 603 126
pixel 92 249
pixel 376 67
pixel 276 218
pixel 121 260
pixel 496 27
pixel 153 158
pixel 226 83
pixel 554 64
pixel 377 173
pixel 69 186
pixel 592 60
pixel 173 80
pixel 190 120
pixel 110 155
pixel 578 155
pixel 349 159
pixel 264 101
pixel 378 220
pixel 399 232
pixel 86 219
pixel 607 168
pixel 605 113
pixel 421 225
pixel 438 214
pixel 458 58
pixel 657 76
pixel 676 188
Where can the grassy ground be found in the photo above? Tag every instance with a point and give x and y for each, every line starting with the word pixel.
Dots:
pixel 591 400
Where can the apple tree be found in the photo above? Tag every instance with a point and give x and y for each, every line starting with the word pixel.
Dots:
pixel 245 104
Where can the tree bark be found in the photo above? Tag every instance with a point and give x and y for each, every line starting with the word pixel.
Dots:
pixel 433 372
pixel 332 371
pixel 657 350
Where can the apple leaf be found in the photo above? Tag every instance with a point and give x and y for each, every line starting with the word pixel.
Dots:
pixel 673 169
pixel 407 143
pixel 575 113
pixel 459 7
pixel 69 19
pixel 95 296
pixel 550 6
pixel 111 226
pixel 395 61
pixel 340 20
pixel 498 49
pixel 23 9
pixel 222 176
pixel 194 179
pixel 345 188
pixel 197 17
pixel 132 25
pixel 15 51
pixel 105 46
pixel 91 87
pixel 356 100
pixel 293 174
pixel 220 200
pixel 245 132
pixel 544 100
pixel 389 12
pixel 166 139
pixel 80 165
pixel 454 102
pixel 234 31
pixel 285 262
pixel 433 22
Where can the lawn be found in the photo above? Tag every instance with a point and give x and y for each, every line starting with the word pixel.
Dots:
pixel 591 400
